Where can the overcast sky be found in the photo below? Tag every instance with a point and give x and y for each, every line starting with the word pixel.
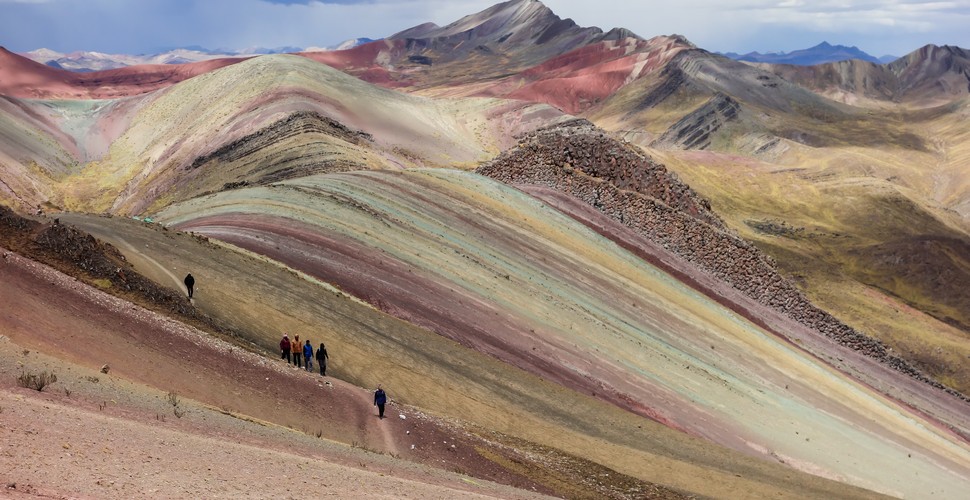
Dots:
pixel 146 26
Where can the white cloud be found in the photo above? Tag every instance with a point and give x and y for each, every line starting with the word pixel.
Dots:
pixel 894 26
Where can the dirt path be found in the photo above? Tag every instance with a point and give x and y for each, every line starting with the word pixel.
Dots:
pixel 57 450
pixel 148 348
pixel 150 262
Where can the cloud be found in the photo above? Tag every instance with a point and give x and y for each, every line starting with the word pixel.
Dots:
pixel 151 25
pixel 890 26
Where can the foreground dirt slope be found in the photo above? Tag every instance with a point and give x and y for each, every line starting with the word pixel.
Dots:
pixel 100 436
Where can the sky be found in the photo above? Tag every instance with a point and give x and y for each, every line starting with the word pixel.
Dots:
pixel 892 27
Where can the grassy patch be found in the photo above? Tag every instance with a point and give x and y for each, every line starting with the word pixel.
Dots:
pixel 175 401
pixel 36 381
pixel 101 283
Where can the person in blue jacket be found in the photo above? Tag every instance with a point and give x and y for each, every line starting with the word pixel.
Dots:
pixel 380 399
pixel 308 356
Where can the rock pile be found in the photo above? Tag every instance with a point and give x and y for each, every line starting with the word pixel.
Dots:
pixel 582 161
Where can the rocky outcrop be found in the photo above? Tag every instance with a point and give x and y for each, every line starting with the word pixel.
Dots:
pixel 584 162
pixel 303 122
pixel 694 131
pixel 289 142
pixel 78 254
pixel 673 79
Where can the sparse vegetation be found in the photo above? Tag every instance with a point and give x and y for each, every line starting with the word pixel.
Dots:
pixel 102 283
pixel 175 401
pixel 36 381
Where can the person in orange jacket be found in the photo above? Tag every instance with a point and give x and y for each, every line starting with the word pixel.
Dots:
pixel 297 351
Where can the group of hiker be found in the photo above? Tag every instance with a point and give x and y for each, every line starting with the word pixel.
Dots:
pixel 302 354
pixel 295 352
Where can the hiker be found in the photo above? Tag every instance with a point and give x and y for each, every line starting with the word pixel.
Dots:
pixel 297 350
pixel 380 399
pixel 285 347
pixel 308 356
pixel 322 359
pixel 189 283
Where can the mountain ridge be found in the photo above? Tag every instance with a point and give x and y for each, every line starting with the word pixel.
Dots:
pixel 822 53
pixel 931 74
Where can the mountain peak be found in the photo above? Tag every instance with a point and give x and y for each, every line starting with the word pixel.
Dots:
pixel 525 32
pixel 619 34
pixel 504 17
pixel 419 31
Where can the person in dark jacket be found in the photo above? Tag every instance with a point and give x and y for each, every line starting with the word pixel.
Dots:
pixel 380 399
pixel 308 356
pixel 285 347
pixel 189 283
pixel 322 359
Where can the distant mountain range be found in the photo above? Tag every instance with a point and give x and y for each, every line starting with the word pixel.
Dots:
pixel 819 54
pixel 88 61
